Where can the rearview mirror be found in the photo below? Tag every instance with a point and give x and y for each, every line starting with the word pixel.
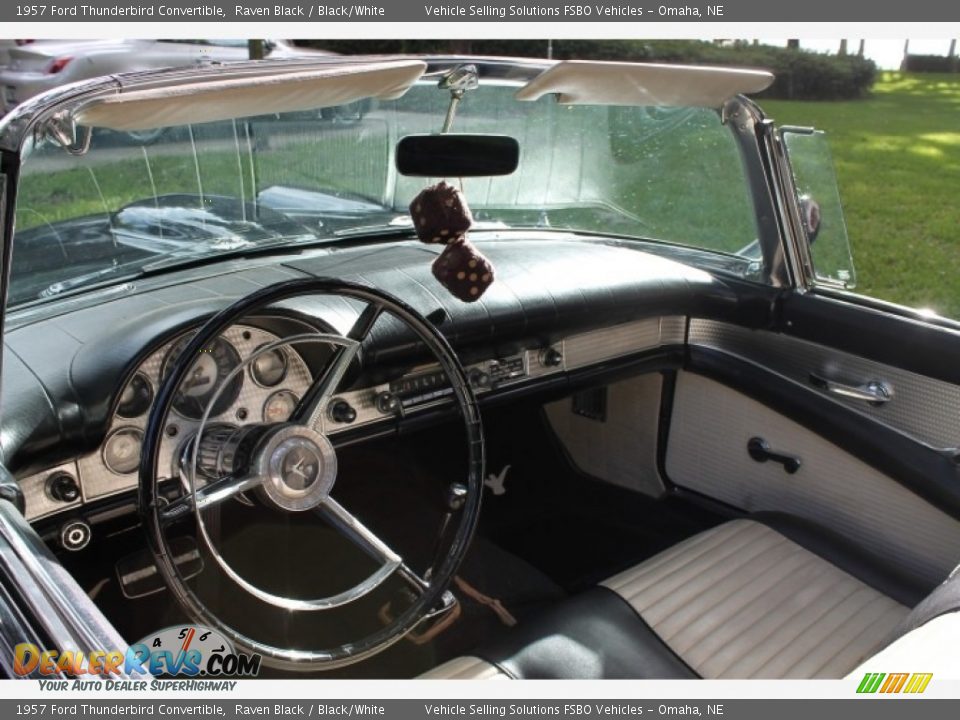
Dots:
pixel 457 155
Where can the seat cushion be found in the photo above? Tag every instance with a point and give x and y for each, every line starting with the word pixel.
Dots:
pixel 743 601
pixel 595 635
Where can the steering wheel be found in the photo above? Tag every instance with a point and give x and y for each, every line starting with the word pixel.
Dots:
pixel 292 466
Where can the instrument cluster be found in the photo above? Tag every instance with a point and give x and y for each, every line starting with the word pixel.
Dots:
pixel 267 390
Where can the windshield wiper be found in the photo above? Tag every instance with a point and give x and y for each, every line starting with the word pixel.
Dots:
pixel 397 226
pixel 88 279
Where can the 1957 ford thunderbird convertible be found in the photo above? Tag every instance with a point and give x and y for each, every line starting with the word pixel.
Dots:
pixel 537 370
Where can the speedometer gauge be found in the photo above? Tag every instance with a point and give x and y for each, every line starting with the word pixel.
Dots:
pixel 209 370
pixel 121 451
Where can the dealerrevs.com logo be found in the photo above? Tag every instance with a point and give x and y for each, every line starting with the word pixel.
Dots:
pixel 894 683
pixel 190 651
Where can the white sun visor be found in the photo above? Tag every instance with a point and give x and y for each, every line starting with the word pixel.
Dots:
pixel 225 99
pixel 577 82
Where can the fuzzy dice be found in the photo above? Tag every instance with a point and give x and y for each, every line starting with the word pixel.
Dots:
pixel 441 216
pixel 463 270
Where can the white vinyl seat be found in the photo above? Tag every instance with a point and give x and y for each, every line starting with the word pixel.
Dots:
pixel 743 601
pixel 746 599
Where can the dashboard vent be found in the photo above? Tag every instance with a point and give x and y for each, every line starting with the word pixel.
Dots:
pixel 591 404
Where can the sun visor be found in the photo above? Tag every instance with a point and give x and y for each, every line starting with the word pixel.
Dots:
pixel 226 99
pixel 610 83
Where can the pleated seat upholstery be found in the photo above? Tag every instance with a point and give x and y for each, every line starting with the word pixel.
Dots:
pixel 743 601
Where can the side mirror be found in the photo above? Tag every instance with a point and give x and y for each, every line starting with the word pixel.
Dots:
pixel 811 216
pixel 457 155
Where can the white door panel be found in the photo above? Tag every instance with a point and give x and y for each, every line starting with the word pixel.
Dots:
pixel 707 452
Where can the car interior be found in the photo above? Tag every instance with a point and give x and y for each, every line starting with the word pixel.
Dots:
pixel 626 456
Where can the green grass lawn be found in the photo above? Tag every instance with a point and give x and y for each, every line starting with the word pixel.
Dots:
pixel 897 157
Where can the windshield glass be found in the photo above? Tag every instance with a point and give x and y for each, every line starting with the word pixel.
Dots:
pixel 137 202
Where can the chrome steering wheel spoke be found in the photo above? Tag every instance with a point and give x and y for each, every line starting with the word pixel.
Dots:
pixel 207 496
pixel 310 409
pixel 351 528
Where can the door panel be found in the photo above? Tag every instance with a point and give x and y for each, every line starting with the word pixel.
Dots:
pixel 927 410
pixel 710 427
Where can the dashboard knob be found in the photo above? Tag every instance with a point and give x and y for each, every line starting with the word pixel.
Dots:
pixel 551 357
pixel 342 412
pixel 479 379
pixel 387 403
pixel 62 487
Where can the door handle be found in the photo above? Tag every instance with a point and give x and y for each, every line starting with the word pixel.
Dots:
pixel 875 392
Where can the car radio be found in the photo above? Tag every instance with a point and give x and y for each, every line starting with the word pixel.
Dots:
pixel 431 385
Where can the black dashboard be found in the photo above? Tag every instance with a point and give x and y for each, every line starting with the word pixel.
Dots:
pixel 80 373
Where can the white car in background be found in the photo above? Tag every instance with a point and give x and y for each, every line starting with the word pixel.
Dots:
pixel 28 68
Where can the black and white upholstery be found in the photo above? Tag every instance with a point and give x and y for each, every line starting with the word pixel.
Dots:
pixel 766 597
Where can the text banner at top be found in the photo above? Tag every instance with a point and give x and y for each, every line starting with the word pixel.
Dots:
pixel 421 11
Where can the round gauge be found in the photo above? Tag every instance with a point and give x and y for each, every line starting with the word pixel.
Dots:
pixel 270 368
pixel 121 451
pixel 279 406
pixel 136 397
pixel 185 638
pixel 208 372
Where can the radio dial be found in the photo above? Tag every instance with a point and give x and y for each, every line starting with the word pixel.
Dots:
pixel 551 357
pixel 479 379
pixel 387 403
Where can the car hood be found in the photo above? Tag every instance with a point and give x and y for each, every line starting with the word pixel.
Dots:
pixel 35 56
pixel 55 257
pixel 184 222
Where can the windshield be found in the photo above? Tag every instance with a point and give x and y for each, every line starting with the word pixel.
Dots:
pixel 141 201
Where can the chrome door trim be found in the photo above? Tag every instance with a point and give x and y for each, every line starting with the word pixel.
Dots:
pixel 50 603
pixel 923 408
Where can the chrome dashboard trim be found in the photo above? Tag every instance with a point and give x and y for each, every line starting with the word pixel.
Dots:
pixel 577 351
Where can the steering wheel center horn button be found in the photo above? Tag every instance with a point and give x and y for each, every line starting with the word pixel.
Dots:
pixel 298 466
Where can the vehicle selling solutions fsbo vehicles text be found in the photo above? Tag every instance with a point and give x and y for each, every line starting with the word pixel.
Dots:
pixel 575 10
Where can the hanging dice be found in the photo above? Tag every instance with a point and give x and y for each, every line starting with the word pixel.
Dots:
pixel 463 270
pixel 440 214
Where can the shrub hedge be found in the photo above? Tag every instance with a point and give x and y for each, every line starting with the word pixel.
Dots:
pixel 801 75
pixel 931 63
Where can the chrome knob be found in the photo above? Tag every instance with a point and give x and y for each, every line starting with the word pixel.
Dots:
pixel 387 403
pixel 75 535
pixel 551 357
pixel 479 379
